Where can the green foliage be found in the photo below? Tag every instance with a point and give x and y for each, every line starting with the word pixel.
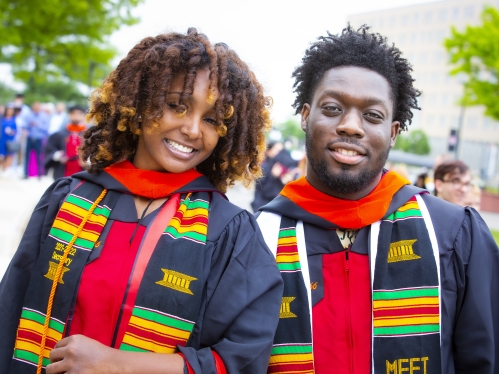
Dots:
pixel 50 39
pixel 54 91
pixel 7 94
pixel 475 53
pixel 495 234
pixel 415 142
pixel 291 129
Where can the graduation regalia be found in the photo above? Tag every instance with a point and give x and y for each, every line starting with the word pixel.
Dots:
pixel 209 289
pixel 397 281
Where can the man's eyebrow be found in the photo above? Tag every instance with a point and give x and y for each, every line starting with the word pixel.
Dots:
pixel 369 100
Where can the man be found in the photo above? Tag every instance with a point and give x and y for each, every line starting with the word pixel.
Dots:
pixel 36 127
pixel 61 149
pixel 452 181
pixel 58 119
pixel 379 275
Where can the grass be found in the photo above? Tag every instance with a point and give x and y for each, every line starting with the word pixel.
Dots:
pixel 495 234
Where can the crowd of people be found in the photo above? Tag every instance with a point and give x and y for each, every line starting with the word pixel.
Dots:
pixel 40 139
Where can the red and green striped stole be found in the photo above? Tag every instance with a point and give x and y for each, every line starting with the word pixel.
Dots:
pixel 154 331
pixel 405 291
pixel 72 212
pixel 292 348
pixel 406 312
pixel 161 325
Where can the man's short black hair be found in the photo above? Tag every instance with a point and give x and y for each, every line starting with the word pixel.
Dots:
pixel 364 49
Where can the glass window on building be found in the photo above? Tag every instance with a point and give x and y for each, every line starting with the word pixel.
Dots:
pixel 392 21
pixel 435 78
pixel 487 123
pixel 415 18
pixel 423 58
pixel 430 121
pixel 428 17
pixel 405 20
pixel 455 13
pixel 442 15
pixel 469 11
pixel 445 99
pixel 414 38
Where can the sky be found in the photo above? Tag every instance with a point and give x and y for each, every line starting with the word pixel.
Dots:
pixel 270 36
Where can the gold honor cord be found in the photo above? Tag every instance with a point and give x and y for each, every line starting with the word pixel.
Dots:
pixel 58 275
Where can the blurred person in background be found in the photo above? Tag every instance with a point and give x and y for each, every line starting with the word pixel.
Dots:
pixel 474 197
pixel 61 149
pixel 59 118
pixel 452 181
pixel 8 144
pixel 278 169
pixel 36 127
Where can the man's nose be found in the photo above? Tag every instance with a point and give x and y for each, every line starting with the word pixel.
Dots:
pixel 351 124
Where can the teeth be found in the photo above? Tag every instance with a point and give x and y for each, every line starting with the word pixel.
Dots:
pixel 180 147
pixel 346 152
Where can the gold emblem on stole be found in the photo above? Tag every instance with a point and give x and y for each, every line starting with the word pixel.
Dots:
pixel 286 308
pixel 53 269
pixel 402 251
pixel 176 281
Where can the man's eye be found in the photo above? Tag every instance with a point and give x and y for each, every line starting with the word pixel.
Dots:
pixel 373 115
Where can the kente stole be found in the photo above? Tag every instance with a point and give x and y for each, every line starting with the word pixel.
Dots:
pixel 168 298
pixel 405 293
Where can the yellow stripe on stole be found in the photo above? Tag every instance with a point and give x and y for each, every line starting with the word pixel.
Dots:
pixel 304 358
pixel 412 205
pixel 197 227
pixel 406 316
pixel 191 213
pixel 406 302
pixel 80 213
pixel 88 235
pixel 406 307
pixel 289 240
pixel 287 258
pixel 37 328
pixel 407 321
pixel 31 347
pixel 159 329
pixel 147 344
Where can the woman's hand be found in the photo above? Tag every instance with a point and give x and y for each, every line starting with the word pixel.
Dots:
pixel 78 354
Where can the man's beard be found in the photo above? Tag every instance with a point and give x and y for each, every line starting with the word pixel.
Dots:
pixel 344 182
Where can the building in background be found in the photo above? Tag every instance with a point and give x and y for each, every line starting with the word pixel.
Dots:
pixel 419 31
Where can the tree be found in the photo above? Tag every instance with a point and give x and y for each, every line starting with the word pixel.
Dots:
pixel 475 53
pixel 415 142
pixel 291 129
pixel 53 91
pixel 50 39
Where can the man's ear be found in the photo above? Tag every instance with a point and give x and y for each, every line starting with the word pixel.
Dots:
pixel 438 185
pixel 394 133
pixel 305 111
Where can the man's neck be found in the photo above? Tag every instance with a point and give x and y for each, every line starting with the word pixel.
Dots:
pixel 317 184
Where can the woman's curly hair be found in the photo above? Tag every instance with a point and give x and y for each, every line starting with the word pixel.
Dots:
pixel 363 49
pixel 136 91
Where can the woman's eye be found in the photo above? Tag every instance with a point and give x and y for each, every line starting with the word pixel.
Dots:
pixel 211 120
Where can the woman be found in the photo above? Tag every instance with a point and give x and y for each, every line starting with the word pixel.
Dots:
pixel 145 254
pixel 7 142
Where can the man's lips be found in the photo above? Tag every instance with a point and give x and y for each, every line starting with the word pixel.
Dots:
pixel 346 153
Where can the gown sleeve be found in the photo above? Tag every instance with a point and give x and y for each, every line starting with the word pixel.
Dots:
pixel 16 279
pixel 476 331
pixel 244 291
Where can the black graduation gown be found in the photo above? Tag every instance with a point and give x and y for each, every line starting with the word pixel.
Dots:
pixel 469 267
pixel 240 305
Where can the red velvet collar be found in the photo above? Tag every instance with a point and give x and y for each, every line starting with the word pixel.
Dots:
pixel 149 183
pixel 348 214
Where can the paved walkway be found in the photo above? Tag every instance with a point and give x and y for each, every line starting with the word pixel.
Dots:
pixel 19 197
